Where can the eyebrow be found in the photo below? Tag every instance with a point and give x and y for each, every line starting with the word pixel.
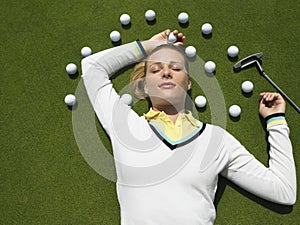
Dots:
pixel 159 63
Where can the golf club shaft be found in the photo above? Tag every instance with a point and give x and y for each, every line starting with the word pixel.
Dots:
pixel 281 92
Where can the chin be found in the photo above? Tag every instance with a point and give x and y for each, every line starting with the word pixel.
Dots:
pixel 167 101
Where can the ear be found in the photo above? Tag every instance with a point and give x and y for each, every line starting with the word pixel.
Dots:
pixel 145 88
pixel 189 83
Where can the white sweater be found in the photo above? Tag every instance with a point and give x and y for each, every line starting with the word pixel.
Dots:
pixel 158 185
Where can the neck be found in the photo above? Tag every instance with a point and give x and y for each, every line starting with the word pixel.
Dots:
pixel 171 111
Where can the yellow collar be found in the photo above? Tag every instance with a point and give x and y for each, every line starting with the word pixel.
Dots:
pixel 151 114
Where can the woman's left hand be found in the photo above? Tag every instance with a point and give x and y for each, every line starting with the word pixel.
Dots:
pixel 271 103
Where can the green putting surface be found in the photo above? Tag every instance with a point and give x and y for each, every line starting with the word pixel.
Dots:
pixel 44 177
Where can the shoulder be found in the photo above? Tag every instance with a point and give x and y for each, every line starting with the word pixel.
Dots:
pixel 216 130
pixel 219 138
pixel 130 123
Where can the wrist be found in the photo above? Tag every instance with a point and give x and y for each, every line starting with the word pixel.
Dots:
pixel 275 119
pixel 149 45
pixel 141 49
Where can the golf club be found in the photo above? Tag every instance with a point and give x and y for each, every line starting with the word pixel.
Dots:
pixel 255 60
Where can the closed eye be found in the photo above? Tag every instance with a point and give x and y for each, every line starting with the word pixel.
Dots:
pixel 176 68
pixel 155 68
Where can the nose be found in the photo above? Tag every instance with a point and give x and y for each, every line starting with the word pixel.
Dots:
pixel 167 72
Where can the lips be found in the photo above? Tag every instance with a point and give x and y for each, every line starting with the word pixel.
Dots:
pixel 167 85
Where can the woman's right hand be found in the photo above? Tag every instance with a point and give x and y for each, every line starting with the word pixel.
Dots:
pixel 163 36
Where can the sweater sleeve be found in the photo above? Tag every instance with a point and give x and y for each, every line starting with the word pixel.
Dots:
pixel 97 70
pixel 276 183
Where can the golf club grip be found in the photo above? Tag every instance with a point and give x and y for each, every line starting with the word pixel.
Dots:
pixel 293 104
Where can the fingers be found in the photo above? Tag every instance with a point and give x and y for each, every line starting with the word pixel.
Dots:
pixel 180 37
pixel 270 96
pixel 271 103
pixel 162 37
pixel 166 33
pixel 269 99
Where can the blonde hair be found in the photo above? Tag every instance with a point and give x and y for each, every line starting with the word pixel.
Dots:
pixel 137 80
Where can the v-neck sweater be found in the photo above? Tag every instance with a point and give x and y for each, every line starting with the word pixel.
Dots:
pixel 159 186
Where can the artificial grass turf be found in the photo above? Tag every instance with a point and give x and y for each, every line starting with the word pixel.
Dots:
pixel 44 178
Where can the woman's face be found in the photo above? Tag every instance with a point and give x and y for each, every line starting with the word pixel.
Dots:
pixel 167 80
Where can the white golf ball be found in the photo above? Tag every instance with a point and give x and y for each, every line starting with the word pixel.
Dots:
pixel 115 36
pixel 71 68
pixel 190 51
pixel 86 51
pixel 183 17
pixel 127 99
pixel 234 111
pixel 70 100
pixel 206 28
pixel 150 15
pixel 125 19
pixel 172 38
pixel 200 101
pixel 210 67
pixel 233 51
pixel 247 86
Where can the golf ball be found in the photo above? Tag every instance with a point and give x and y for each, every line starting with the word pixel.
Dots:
pixel 127 99
pixel 150 15
pixel 115 36
pixel 233 51
pixel 200 101
pixel 206 28
pixel 172 38
pixel 234 111
pixel 125 19
pixel 70 100
pixel 247 86
pixel 86 51
pixel 71 68
pixel 183 17
pixel 210 67
pixel 190 51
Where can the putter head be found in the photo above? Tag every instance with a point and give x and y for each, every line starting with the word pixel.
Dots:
pixel 249 60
